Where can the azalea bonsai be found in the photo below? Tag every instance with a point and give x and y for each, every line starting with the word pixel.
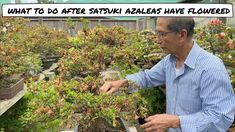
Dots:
pixel 74 98
pixel 14 64
pixel 108 47
pixel 58 105
pixel 8 64
pixel 14 59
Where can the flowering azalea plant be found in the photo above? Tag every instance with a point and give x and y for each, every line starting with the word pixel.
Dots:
pixel 215 37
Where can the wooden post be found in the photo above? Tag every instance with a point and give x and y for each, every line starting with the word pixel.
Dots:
pixel 137 28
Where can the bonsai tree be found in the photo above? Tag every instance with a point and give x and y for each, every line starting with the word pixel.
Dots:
pixel 14 59
pixel 109 47
pixel 37 39
pixel 73 97
pixel 46 41
pixel 9 65
pixel 56 105
pixel 13 64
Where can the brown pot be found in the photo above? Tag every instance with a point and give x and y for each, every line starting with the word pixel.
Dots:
pixel 48 61
pixel 7 93
pixel 101 125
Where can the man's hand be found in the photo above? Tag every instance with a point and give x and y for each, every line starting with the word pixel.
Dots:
pixel 161 122
pixel 112 86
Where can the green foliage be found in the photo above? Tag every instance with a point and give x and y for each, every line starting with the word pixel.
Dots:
pixel 83 62
pixel 85 24
pixel 12 120
pixel 32 64
pixel 46 41
pixel 104 106
pixel 109 47
pixel 70 23
pixel 37 39
pixel 53 105
pixel 232 32
pixel 154 100
pixel 9 63
pixel 47 109
pixel 13 63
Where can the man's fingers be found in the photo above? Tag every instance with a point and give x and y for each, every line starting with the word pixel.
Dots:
pixel 111 90
pixel 106 87
pixel 148 122
pixel 155 128
pixel 150 118
pixel 146 125
pixel 161 130
pixel 150 129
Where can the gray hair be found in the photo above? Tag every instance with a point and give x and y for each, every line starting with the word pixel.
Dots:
pixel 178 23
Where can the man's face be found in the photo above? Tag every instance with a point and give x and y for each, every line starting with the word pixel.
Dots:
pixel 167 39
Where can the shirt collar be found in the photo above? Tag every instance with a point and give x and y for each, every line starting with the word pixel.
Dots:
pixel 192 56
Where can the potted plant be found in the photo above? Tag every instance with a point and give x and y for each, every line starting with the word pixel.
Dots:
pixel 15 66
pixel 10 81
pixel 58 105
pixel 46 42
pixel 15 59
pixel 35 39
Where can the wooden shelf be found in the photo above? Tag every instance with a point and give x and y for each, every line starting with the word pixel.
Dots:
pixel 8 103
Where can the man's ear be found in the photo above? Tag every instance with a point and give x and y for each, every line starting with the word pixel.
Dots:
pixel 183 35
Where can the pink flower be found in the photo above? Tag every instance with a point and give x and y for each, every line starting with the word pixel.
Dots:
pixel 222 35
pixel 215 22
pixel 230 44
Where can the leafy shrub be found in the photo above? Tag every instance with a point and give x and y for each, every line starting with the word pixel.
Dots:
pixel 14 59
pixel 53 106
pixel 121 47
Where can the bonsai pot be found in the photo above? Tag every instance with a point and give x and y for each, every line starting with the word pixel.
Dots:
pixel 7 93
pixel 49 60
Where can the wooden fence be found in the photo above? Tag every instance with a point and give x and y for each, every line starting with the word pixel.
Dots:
pixel 60 23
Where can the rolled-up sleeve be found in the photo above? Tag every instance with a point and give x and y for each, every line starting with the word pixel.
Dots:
pixel 218 104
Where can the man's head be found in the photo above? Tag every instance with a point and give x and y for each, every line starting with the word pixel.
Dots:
pixel 174 33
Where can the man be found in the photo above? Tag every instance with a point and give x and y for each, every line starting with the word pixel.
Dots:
pixel 199 94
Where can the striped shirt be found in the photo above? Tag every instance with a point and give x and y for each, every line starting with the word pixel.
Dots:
pixel 201 94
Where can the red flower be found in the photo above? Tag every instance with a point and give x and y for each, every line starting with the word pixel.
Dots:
pixel 222 35
pixel 215 22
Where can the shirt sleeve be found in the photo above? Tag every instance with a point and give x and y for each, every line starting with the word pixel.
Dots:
pixel 150 78
pixel 218 105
